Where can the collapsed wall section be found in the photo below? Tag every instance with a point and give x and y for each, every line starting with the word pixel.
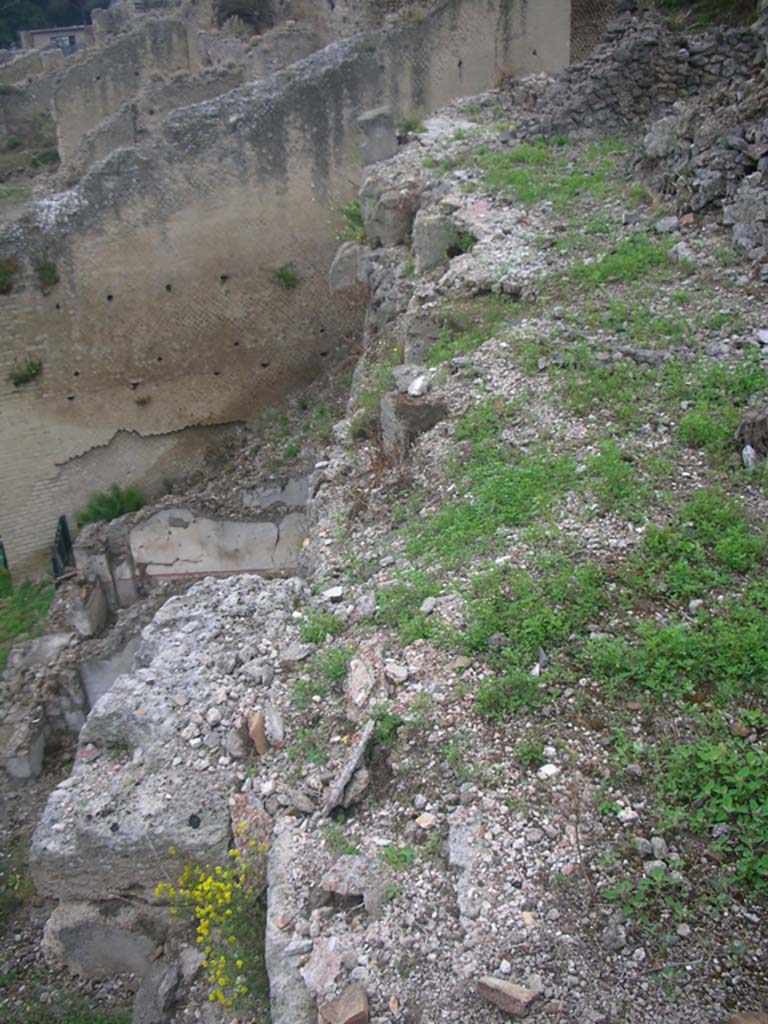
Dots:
pixel 154 295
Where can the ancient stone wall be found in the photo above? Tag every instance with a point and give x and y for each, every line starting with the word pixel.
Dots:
pixel 21 68
pixel 134 120
pixel 168 314
pixel 24 109
pixel 97 86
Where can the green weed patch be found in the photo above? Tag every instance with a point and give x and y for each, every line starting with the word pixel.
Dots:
pixel 22 613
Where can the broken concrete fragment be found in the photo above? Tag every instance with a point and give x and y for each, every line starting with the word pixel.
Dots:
pixel 356 788
pixel 361 680
pixel 349 269
pixel 324 965
pixel 290 1002
pixel 336 793
pixel 157 995
pixel 351 1007
pixel 99 940
pixel 403 418
pixel 295 653
pixel 510 998
pixel 258 732
pixel 22 743
pixel 355 878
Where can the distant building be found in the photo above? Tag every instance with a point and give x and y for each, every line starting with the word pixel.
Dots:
pixel 74 37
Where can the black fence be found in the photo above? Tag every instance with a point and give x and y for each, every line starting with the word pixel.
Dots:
pixel 61 552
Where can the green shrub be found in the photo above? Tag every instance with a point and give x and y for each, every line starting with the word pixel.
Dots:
pixel 286 276
pixel 718 395
pixel 45 157
pixel 501 695
pixel 22 612
pixel 354 230
pixel 25 371
pixel 47 273
pixel 230 916
pixel 108 505
pixel 398 606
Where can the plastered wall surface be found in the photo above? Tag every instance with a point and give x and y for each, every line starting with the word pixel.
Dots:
pixel 167 321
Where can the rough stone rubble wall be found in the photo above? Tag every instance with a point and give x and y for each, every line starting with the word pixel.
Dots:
pixel 637 72
pixel 706 98
pixel 166 258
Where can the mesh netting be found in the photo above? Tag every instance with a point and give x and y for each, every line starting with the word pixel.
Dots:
pixel 588 21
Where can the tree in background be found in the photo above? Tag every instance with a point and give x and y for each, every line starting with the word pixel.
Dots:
pixel 16 15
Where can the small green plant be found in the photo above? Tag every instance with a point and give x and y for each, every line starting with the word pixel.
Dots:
pixel 328 669
pixel 47 273
pixel 8 270
pixel 471 324
pixel 143 401
pixel 286 276
pixel 8 90
pixel 530 752
pixel 25 371
pixel 354 229
pixel 306 747
pixel 654 896
pixel 386 726
pixel 229 911
pixel 723 783
pixel 455 754
pixel 410 124
pixel 14 883
pixel 317 626
pixel 337 841
pixel 364 423
pixel 398 856
pixel 108 505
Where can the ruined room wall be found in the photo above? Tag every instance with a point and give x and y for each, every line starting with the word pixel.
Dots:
pixel 21 68
pixel 132 123
pixel 27 107
pixel 106 78
pixel 166 256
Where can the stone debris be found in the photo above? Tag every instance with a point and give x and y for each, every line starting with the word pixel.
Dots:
pixel 510 998
pixel 338 790
pixel 351 1007
pixel 258 732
